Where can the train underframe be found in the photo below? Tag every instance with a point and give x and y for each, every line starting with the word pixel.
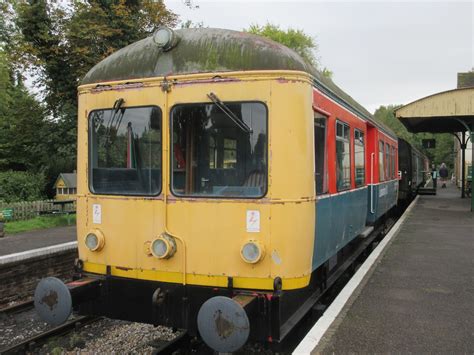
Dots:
pixel 272 314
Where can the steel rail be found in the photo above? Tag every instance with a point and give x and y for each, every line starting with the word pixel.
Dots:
pixel 41 338
pixel 16 308
pixel 164 347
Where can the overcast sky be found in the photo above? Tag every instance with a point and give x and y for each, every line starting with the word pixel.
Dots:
pixel 381 52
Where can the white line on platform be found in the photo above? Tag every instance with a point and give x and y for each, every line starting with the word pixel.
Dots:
pixel 316 333
pixel 10 258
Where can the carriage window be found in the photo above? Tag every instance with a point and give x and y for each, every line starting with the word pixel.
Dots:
pixel 320 122
pixel 394 173
pixel 125 151
pixel 221 157
pixel 381 164
pixel 388 163
pixel 343 157
pixel 359 158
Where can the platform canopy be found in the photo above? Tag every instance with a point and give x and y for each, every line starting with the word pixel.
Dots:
pixel 440 113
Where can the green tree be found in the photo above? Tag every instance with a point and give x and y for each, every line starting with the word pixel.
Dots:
pixel 18 186
pixel 57 43
pixel 295 39
pixel 62 42
pixel 66 41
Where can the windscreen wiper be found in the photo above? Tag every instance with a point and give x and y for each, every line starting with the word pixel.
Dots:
pixel 117 114
pixel 239 123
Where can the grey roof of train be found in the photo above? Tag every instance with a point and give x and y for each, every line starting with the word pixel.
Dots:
pixel 204 50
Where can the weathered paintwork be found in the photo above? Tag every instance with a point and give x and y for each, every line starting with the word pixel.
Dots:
pixel 384 196
pixel 211 50
pixel 440 112
pixel 339 219
pixel 199 50
pixel 210 231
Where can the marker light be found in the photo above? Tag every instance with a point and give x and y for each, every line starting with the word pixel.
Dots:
pixel 252 252
pixel 163 247
pixel 94 241
pixel 165 38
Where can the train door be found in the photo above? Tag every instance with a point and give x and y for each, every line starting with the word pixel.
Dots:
pixel 320 153
pixel 372 171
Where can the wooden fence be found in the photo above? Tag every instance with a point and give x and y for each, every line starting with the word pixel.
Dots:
pixel 27 210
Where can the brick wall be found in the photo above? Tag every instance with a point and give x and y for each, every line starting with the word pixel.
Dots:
pixel 18 279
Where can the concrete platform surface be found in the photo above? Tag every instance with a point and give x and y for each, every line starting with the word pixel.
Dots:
pixel 419 297
pixel 36 239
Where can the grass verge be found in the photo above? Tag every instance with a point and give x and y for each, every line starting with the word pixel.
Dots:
pixel 41 222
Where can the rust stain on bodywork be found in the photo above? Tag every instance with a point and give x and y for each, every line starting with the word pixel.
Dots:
pixel 51 299
pixel 223 326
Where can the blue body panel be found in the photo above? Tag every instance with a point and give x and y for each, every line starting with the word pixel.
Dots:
pixel 339 219
pixel 384 198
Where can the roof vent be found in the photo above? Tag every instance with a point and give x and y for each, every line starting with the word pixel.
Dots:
pixel 165 38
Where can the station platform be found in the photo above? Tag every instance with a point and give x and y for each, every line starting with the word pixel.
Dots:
pixel 418 295
pixel 36 239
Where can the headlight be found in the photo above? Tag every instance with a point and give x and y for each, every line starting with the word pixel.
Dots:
pixel 252 252
pixel 165 38
pixel 163 247
pixel 94 241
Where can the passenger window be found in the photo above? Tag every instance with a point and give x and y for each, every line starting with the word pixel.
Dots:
pixel 343 157
pixel 388 164
pixel 359 158
pixel 381 164
pixel 320 160
pixel 394 156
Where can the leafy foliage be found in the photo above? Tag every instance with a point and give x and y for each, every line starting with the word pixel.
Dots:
pixel 57 43
pixel 443 153
pixel 64 41
pixel 297 40
pixel 68 40
pixel 21 123
pixel 21 186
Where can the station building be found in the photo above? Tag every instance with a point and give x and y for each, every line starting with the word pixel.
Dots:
pixel 66 186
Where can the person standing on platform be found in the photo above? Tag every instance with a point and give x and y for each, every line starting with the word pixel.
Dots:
pixel 443 174
pixel 434 175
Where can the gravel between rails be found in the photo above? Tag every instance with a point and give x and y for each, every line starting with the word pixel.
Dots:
pixel 118 337
pixel 18 327
pixel 104 336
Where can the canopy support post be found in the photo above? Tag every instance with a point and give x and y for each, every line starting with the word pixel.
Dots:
pixel 468 129
pixel 472 168
pixel 463 165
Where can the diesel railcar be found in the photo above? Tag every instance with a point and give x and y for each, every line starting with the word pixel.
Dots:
pixel 221 182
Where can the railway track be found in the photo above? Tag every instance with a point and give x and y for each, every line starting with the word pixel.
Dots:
pixel 182 340
pixel 40 339
pixel 16 308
